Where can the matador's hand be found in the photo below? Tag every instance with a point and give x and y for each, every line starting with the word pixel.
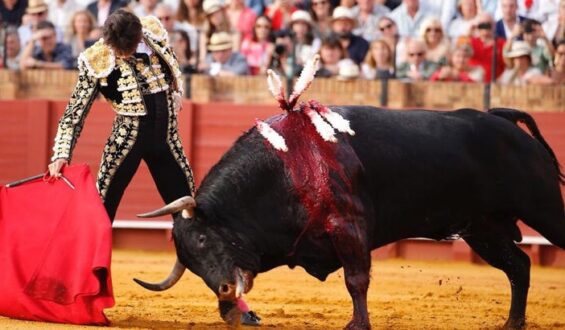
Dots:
pixel 56 167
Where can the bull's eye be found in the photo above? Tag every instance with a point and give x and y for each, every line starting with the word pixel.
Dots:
pixel 201 240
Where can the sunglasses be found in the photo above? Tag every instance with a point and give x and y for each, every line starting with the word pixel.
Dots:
pixel 437 30
pixel 416 54
pixel 164 18
pixel 315 3
pixel 262 26
pixel 385 27
pixel 45 38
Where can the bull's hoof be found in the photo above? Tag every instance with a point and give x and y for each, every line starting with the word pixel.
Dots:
pixel 515 324
pixel 358 325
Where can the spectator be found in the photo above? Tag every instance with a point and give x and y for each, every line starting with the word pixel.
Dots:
pixel 417 68
pixel 485 44
pixel 437 45
pixel 343 23
pixel 557 75
pixel 145 8
pixel 181 46
pixel 379 62
pixel 81 26
pixel 510 19
pixel 259 48
pixel 60 11
pixel 216 21
pixel 165 14
pixel 36 12
pixel 321 12
pixel 533 35
pixel 331 55
pixel 408 17
pixel 305 44
pixel 101 9
pixel 467 11
pixel 443 9
pixel 389 33
pixel 222 60
pixel 242 18
pixel 367 19
pixel 279 12
pixel 459 69
pixel 534 9
pixel 12 11
pixel 522 71
pixel 348 71
pixel 191 13
pixel 190 18
pixel 280 60
pixel 12 51
pixel 554 27
pixel 50 54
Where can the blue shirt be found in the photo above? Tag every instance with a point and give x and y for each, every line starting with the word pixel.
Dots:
pixel 61 54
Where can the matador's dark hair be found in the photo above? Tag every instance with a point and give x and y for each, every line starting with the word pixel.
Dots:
pixel 122 30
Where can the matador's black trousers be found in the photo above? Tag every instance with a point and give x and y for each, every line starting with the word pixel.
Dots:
pixel 151 146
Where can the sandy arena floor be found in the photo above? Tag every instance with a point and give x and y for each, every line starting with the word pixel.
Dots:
pixel 403 295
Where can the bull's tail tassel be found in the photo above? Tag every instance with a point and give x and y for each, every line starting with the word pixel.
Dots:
pixel 324 120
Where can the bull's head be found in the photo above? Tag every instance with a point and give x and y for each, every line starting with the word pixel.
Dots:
pixel 211 251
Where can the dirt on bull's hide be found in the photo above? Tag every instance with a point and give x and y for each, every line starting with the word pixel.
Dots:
pixel 403 295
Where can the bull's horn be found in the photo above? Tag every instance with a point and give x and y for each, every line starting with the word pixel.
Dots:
pixel 184 203
pixel 173 278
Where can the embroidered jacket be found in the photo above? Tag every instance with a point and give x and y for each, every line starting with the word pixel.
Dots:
pixel 100 71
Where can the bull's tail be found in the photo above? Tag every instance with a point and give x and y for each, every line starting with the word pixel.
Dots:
pixel 517 116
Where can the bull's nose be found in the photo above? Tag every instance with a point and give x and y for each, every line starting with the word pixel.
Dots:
pixel 226 291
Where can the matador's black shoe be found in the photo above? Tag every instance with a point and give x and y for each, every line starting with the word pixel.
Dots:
pixel 250 318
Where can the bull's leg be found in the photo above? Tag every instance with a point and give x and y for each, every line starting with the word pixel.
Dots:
pixel 350 243
pixel 501 252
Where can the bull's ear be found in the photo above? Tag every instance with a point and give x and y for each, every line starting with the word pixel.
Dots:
pixel 185 204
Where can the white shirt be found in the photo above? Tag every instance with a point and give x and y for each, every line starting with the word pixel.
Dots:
pixel 60 14
pixel 408 26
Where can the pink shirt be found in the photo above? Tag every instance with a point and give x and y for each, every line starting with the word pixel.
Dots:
pixel 256 54
pixel 246 22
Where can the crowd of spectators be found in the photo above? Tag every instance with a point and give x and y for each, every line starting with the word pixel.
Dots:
pixel 513 42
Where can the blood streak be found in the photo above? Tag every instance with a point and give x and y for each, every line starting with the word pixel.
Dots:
pixel 323 174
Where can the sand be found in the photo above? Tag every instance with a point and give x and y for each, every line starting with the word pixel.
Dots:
pixel 404 294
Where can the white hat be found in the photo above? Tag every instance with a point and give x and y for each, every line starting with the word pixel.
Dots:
pixel 348 70
pixel 301 16
pixel 519 48
pixel 220 41
pixel 212 6
pixel 342 12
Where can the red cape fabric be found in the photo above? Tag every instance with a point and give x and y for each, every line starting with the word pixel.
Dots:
pixel 55 251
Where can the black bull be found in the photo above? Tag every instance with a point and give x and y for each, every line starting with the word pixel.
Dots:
pixel 423 174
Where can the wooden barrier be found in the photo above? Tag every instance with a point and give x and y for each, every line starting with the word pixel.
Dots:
pixel 207 131
pixel 34 84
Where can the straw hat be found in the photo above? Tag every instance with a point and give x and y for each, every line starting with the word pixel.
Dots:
pixel 519 48
pixel 212 6
pixel 36 6
pixel 220 41
pixel 342 12
pixel 301 16
pixel 348 70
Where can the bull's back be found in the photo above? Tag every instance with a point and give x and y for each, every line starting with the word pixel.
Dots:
pixel 422 166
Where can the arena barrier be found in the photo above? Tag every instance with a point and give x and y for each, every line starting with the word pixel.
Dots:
pixel 207 131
